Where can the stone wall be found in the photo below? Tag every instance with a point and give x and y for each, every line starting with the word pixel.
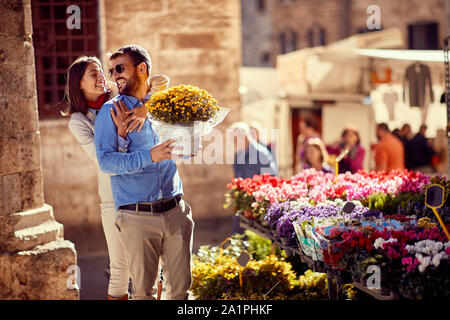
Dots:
pixel 257 33
pixel 70 180
pixel 399 14
pixel 34 257
pixel 302 16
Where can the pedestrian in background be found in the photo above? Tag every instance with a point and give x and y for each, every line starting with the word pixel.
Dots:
pixel 316 156
pixel 389 153
pixel 421 152
pixel 350 141
pixel 308 130
pixel 251 158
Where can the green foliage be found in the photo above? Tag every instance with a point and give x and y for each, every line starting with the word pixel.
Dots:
pixel 267 276
pixel 211 253
pixel 260 247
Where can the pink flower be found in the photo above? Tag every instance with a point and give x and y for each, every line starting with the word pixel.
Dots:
pixel 407 261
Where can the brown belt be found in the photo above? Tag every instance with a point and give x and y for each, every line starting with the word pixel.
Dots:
pixel 159 206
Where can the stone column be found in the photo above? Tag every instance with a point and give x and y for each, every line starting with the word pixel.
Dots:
pixel 34 257
pixel 446 18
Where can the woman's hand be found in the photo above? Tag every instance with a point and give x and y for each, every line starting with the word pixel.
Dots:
pixel 137 117
pixel 120 119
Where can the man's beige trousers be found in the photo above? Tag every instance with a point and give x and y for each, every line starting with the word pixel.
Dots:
pixel 150 238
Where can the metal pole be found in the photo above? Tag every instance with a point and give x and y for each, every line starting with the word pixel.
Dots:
pixel 447 95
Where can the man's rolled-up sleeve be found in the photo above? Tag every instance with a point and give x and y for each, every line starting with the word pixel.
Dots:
pixel 109 158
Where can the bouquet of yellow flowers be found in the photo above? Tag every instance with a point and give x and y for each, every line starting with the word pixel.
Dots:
pixel 184 112
pixel 182 104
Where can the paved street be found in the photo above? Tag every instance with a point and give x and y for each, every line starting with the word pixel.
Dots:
pixel 93 255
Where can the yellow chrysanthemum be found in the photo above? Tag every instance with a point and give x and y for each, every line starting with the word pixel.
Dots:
pixel 194 103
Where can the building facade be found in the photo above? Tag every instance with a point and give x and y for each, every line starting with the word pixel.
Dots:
pixel 257 33
pixel 298 24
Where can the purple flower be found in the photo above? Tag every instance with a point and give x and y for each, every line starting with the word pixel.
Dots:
pixel 285 228
pixel 275 212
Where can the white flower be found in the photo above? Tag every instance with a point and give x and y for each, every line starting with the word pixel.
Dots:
pixel 410 248
pixel 437 258
pixel 429 247
pixel 424 262
pixel 378 243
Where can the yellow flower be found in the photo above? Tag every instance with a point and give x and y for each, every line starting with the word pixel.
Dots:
pixel 196 104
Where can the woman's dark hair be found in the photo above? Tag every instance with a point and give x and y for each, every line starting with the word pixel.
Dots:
pixel 73 95
pixel 355 131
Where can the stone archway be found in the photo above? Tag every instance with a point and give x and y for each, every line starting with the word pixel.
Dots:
pixel 35 260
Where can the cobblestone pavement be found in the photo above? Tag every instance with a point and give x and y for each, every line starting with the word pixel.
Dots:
pixel 93 255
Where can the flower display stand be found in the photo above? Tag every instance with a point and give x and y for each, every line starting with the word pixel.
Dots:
pixel 379 294
pixel 336 278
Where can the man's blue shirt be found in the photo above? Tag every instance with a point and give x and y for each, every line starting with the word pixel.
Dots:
pixel 136 177
pixel 256 159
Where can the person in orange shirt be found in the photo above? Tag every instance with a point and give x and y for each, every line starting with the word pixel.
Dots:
pixel 389 153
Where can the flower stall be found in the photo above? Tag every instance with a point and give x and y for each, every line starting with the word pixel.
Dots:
pixel 370 229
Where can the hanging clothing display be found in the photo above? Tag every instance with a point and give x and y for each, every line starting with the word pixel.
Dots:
pixel 390 98
pixel 417 79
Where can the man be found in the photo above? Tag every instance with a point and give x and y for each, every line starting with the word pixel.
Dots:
pixel 405 135
pixel 389 153
pixel 421 152
pixel 250 158
pixel 153 220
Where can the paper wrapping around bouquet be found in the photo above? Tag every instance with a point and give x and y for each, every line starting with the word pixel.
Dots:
pixel 189 136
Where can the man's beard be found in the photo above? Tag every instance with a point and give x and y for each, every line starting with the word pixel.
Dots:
pixel 132 85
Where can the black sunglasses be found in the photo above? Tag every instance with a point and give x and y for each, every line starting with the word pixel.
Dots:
pixel 119 69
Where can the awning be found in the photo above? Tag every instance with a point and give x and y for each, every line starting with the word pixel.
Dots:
pixel 412 55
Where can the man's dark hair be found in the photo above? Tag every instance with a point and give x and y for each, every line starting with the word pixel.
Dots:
pixel 383 126
pixel 406 126
pixel 311 123
pixel 136 53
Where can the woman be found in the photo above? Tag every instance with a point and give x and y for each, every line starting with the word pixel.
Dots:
pixel 316 156
pixel 308 130
pixel 86 91
pixel 353 161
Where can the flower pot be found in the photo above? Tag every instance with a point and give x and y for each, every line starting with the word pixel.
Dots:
pixel 189 136
pixel 274 233
pixel 290 242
